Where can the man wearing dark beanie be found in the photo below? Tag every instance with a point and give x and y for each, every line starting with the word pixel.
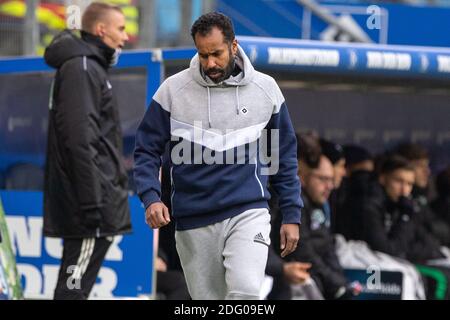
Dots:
pixel 357 158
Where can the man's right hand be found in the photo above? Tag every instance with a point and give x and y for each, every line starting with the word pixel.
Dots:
pixel 157 215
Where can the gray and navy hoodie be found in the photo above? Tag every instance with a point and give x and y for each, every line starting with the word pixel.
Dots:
pixel 203 120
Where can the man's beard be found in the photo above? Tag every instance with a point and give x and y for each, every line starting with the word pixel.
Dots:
pixel 225 73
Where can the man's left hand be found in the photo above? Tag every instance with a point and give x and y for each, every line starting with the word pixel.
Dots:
pixel 290 234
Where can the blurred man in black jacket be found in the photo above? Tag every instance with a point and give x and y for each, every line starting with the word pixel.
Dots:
pixel 85 195
pixel 424 217
pixel 389 226
pixel 389 212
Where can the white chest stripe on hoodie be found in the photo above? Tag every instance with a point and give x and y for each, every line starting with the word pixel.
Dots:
pixel 213 139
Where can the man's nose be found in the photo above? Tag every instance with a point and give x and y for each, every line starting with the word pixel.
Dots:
pixel 211 63
pixel 126 38
pixel 406 190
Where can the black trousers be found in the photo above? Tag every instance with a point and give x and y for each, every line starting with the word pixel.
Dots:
pixel 172 285
pixel 81 261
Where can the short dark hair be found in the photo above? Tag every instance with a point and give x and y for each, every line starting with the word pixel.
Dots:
pixel 208 21
pixel 411 151
pixel 331 150
pixel 308 149
pixel 94 13
pixel 393 162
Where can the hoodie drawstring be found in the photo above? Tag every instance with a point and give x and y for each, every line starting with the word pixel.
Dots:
pixel 237 100
pixel 209 107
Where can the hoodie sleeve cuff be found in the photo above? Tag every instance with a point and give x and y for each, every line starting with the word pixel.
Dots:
pixel 291 215
pixel 150 197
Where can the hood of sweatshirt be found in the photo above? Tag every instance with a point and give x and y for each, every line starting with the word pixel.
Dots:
pixel 71 44
pixel 243 78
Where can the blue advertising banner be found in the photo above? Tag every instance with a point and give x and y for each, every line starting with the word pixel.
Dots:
pixel 384 285
pixel 126 273
pixel 357 59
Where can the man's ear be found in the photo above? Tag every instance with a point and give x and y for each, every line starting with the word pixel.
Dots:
pixel 100 29
pixel 234 46
pixel 303 171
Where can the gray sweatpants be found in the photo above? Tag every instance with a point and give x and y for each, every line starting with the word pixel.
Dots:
pixel 226 260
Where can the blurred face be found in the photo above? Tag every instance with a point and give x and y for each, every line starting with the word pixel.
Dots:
pixel 216 55
pixel 339 172
pixel 398 183
pixel 422 171
pixel 318 183
pixel 112 30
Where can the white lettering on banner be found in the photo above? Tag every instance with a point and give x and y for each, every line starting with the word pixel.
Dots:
pixel 50 276
pixel 305 57
pixel 19 122
pixel 41 284
pixel 25 237
pixel 54 247
pixel 388 60
pixel 443 63
pixel 32 277
pixel 361 135
pixel 40 280
pixel 107 284
pixel 420 135
pixel 424 63
pixel 384 288
pixel 114 252
pixel 392 135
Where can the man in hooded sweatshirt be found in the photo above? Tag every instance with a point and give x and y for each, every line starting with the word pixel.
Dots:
pixel 85 196
pixel 214 115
